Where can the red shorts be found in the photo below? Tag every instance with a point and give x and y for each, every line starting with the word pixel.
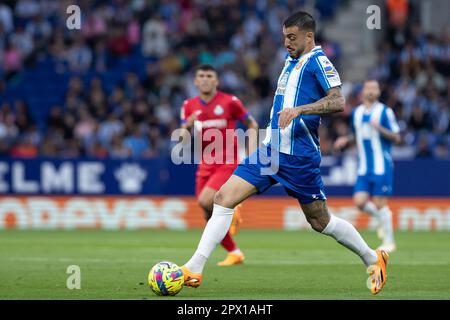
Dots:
pixel 212 176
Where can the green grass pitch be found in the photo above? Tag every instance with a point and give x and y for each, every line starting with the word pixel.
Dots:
pixel 279 265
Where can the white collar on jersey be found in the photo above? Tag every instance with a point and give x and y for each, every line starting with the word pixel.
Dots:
pixel 313 50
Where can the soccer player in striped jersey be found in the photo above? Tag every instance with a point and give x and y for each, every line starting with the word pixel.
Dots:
pixel 308 87
pixel 375 129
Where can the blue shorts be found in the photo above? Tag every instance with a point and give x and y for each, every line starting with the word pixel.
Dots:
pixel 375 185
pixel 299 175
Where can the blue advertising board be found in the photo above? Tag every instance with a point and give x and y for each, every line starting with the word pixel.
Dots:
pixel 159 176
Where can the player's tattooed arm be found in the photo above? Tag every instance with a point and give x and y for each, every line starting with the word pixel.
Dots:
pixel 333 102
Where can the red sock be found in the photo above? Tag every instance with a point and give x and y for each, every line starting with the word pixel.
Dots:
pixel 228 243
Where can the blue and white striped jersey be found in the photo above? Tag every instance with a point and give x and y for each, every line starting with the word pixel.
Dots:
pixel 302 81
pixel 373 149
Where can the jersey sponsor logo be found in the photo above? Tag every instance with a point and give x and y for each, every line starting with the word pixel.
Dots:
pixel 214 123
pixel 366 131
pixel 282 84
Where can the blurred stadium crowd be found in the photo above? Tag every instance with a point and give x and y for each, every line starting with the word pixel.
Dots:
pixel 117 84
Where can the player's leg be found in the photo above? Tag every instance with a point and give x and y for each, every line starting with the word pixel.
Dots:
pixel 388 244
pixel 382 189
pixel 206 186
pixel 363 202
pixel 345 233
pixel 206 198
pixel 206 201
pixel 301 178
pixel 235 255
pixel 361 197
pixel 233 192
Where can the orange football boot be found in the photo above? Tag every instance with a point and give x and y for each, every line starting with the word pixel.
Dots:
pixel 191 279
pixel 237 220
pixel 378 274
pixel 232 259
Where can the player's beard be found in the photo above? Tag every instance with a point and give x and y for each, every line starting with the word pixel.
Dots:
pixel 207 92
pixel 296 53
pixel 206 89
pixel 371 98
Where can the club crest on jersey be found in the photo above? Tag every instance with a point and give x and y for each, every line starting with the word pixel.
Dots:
pixel 299 64
pixel 218 110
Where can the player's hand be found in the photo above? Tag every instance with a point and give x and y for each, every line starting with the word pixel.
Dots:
pixel 340 143
pixel 286 116
pixel 190 121
pixel 375 125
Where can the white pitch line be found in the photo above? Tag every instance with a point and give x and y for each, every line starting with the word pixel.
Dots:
pixel 248 262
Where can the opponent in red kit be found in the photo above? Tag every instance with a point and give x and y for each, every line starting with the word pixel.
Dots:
pixel 216 111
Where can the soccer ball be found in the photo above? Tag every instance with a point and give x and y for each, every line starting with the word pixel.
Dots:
pixel 166 279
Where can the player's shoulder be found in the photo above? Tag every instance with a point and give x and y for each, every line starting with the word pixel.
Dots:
pixel 227 97
pixel 317 55
pixel 383 107
pixel 190 102
pixel 357 109
pixel 320 60
pixel 388 111
pixel 386 107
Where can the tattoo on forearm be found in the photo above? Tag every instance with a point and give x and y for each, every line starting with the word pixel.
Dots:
pixel 333 102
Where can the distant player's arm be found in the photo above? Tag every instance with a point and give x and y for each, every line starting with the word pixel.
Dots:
pixel 190 120
pixel 333 102
pixel 386 133
pixel 347 140
pixel 388 127
pixel 187 122
pixel 344 141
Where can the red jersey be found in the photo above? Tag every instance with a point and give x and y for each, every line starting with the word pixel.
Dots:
pixel 216 116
